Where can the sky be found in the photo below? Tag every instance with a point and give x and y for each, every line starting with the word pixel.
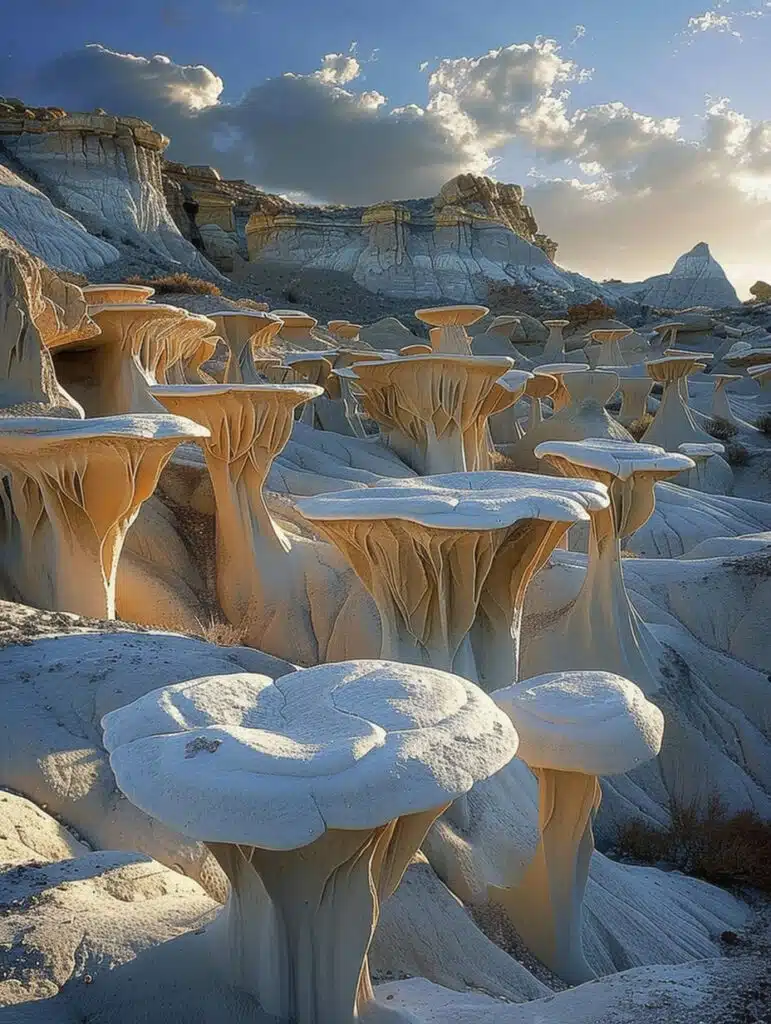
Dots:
pixel 637 128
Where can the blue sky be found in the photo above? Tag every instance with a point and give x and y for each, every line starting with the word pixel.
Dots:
pixel 642 55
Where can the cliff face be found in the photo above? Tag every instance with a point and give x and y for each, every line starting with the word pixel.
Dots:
pixel 105 171
pixel 57 238
pixel 475 233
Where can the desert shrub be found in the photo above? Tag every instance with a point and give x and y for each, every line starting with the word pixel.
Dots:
pixel 180 284
pixel 291 293
pixel 638 427
pixel 258 307
pixel 721 429
pixel 223 633
pixel 763 423
pixel 736 454
pixel 594 310
pixel 506 298
pixel 727 849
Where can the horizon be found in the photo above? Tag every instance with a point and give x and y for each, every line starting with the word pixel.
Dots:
pixel 635 134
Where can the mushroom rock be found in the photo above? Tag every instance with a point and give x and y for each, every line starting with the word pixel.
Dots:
pixel 124 293
pixel 244 333
pixel 721 405
pixel 188 346
pixel 416 350
pixel 496 340
pixel 573 728
pixel 541 385
pixel 601 628
pixel 431 408
pixel 554 350
pixel 76 486
pixel 308 867
pixel 447 560
pixel 696 279
pixel 761 373
pixel 635 387
pixel 608 341
pixel 297 329
pixel 451 321
pixel 584 417
pixel 294 597
pixel 711 473
pixel 112 373
pixel 560 397
pixel 667 332
pixel 674 423
pixel 348 331
pixel 354 417
pixel 36 307
pixel 82 673
pixel 503 422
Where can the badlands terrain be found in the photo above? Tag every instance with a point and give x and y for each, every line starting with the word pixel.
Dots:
pixel 383 608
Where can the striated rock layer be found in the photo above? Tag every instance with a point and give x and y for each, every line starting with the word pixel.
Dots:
pixel 696 279
pixel 104 171
pixel 476 234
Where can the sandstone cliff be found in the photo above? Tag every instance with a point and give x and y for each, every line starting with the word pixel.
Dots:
pixel 104 171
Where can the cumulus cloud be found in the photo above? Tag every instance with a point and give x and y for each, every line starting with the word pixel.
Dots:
pixel 320 132
pixel 655 194
pixel 623 192
pixel 712 21
pixel 722 21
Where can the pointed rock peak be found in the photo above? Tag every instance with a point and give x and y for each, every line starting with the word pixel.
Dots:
pixel 701 249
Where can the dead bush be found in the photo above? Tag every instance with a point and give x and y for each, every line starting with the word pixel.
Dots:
pixel 588 311
pixel 736 454
pixel 763 423
pixel 638 427
pixel 720 429
pixel 180 284
pixel 726 849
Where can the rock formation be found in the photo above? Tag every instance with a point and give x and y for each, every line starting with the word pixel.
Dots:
pixel 696 279
pixel 105 171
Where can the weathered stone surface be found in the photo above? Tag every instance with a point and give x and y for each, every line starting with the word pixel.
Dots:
pixel 106 172
pixel 36 308
pixel 31 218
pixel 696 279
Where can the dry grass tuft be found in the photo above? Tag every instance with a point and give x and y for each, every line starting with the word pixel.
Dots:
pixel 638 427
pixel 736 454
pixel 763 423
pixel 721 429
pixel 726 849
pixel 180 284
pixel 586 312
pixel 223 633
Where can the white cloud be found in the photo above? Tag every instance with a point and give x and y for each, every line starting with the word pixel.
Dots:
pixel 626 194
pixel 321 132
pixel 712 21
pixel 338 69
